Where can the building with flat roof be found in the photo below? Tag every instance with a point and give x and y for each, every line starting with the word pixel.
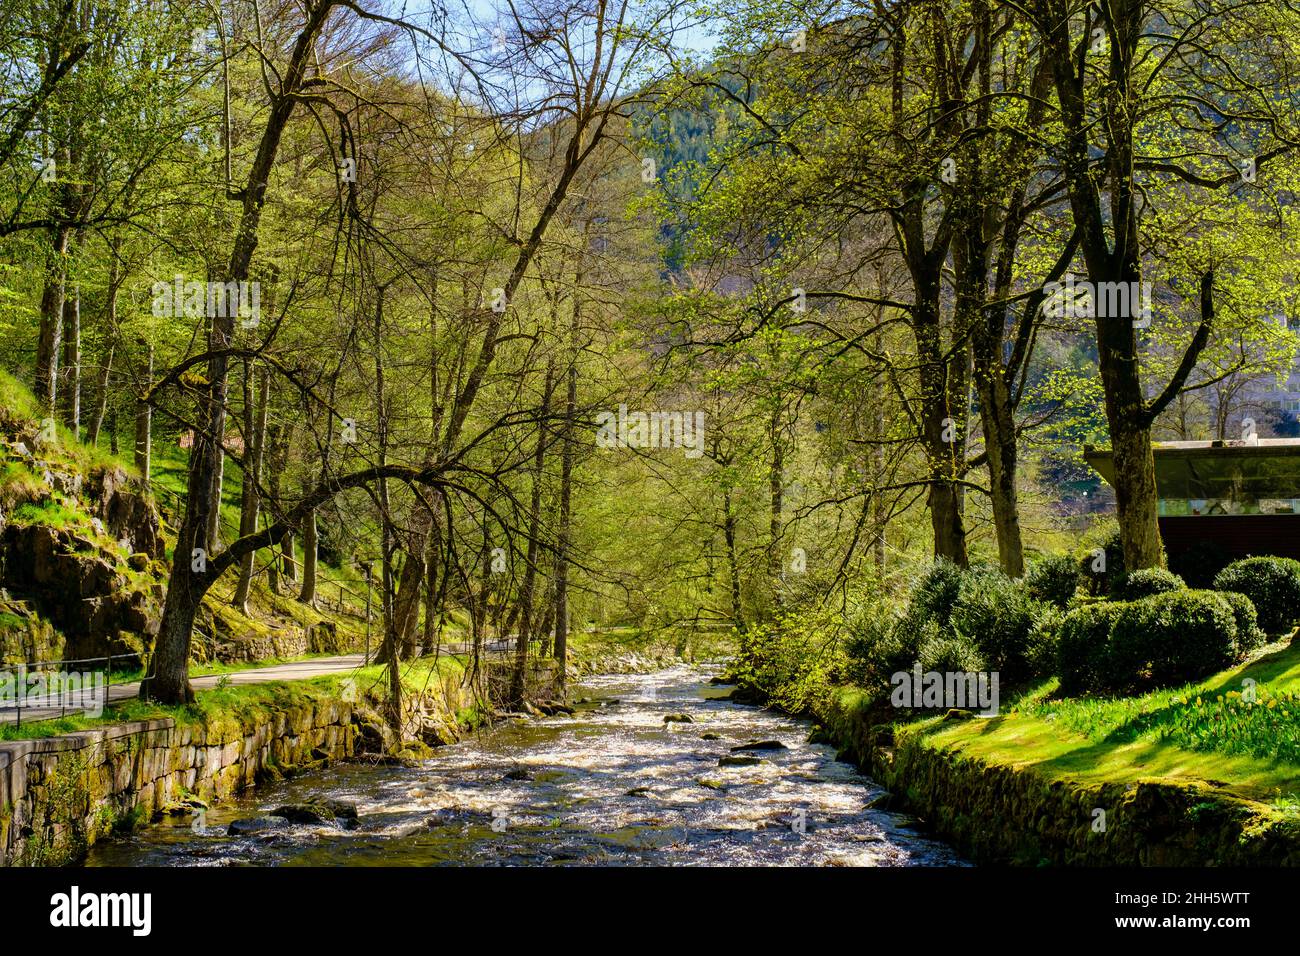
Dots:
pixel 1243 496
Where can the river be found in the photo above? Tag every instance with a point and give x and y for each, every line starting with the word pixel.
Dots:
pixel 612 785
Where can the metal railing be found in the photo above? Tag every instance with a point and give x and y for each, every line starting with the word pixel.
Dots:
pixel 75 700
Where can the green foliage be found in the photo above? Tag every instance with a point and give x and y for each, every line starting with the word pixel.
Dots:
pixel 933 595
pixel 997 614
pixel 1042 648
pixel 950 653
pixel 1147 582
pixel 1249 634
pixel 1272 584
pixel 1171 638
pixel 796 658
pixel 1054 579
pixel 1083 646
pixel 1103 572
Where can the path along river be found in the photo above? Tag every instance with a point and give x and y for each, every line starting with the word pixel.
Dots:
pixel 612 785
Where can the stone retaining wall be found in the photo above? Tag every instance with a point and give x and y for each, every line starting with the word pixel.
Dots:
pixel 58 795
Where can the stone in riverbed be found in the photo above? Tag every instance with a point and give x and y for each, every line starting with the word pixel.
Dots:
pixel 678 719
pixel 519 773
pixel 638 792
pixel 256 825
pixel 323 812
pixel 761 745
pixel 733 760
pixel 710 736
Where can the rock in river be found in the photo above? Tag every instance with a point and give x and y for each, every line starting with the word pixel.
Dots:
pixel 255 825
pixel 761 745
pixel 732 760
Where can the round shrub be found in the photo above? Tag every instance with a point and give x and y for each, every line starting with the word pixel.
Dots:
pixel 1171 639
pixel 1083 646
pixel 997 614
pixel 1146 583
pixel 1249 634
pixel 1053 579
pixel 1273 586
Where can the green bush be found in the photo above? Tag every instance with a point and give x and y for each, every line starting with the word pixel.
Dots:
pixel 997 614
pixel 935 592
pixel 1147 582
pixel 1053 579
pixel 1042 647
pixel 1083 646
pixel 1170 639
pixel 1102 572
pixel 949 653
pixel 1273 586
pixel 872 646
pixel 1249 634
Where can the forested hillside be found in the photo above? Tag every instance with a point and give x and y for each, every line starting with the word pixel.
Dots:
pixel 526 321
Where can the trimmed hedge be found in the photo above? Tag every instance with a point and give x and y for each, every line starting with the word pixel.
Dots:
pixel 1249 634
pixel 1083 647
pixel 1147 582
pixel 1171 639
pixel 1273 586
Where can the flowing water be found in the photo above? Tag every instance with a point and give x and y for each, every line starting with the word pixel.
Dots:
pixel 612 785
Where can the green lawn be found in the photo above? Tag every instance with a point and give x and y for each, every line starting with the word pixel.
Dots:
pixel 1202 732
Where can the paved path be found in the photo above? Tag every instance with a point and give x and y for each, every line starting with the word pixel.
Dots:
pixel 91 699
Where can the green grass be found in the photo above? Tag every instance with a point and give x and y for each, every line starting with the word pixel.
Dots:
pixel 1201 732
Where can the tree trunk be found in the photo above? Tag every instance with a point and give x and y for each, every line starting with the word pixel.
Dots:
pixel 70 396
pixel 389 651
pixel 519 683
pixel 171 682
pixel 51 328
pixel 106 364
pixel 143 422
pixel 406 606
pixel 309 557
pixel 776 504
pixel 562 544
pixel 255 428
pixel 733 564
pixel 96 423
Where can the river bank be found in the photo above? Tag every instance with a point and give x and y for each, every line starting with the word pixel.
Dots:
pixel 59 795
pixel 1014 790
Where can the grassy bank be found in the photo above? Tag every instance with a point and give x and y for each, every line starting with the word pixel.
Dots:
pixel 240 702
